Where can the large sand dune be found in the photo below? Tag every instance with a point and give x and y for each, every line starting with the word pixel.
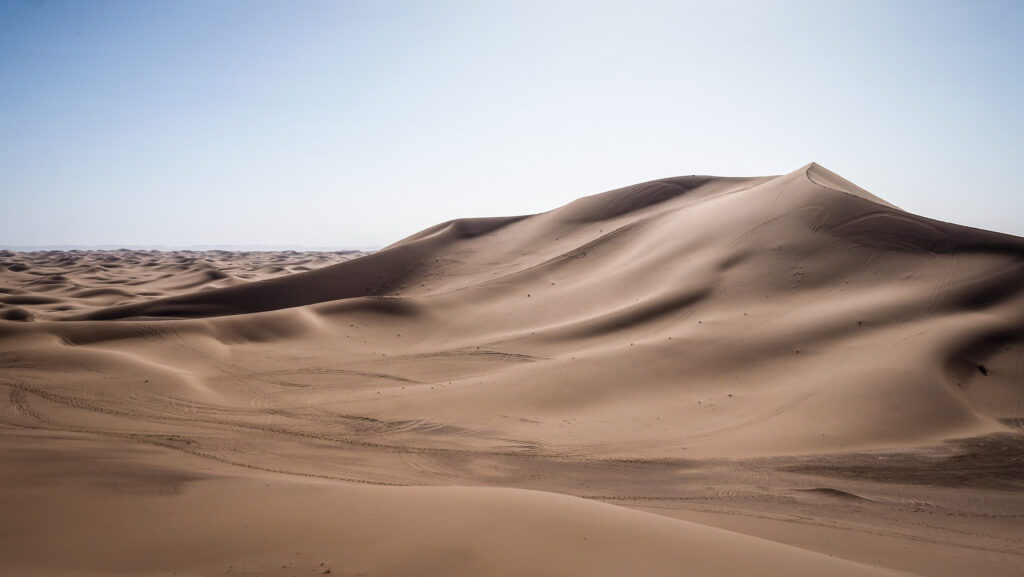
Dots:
pixel 836 382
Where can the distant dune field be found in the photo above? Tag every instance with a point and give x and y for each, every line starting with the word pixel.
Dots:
pixel 692 376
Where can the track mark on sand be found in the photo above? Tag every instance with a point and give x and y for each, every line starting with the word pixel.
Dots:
pixel 834 493
pixel 473 353
pixel 19 401
pixel 328 371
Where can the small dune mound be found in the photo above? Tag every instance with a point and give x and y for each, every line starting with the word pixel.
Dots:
pixel 28 299
pixel 101 292
pixel 16 314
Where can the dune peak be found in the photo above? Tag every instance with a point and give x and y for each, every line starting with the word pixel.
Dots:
pixel 825 178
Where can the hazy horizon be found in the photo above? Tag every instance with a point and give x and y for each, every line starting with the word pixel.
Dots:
pixel 331 124
pixel 196 247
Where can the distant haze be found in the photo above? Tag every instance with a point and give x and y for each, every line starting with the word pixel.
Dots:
pixel 354 124
pixel 196 247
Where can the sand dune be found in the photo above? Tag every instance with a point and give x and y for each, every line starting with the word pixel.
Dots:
pixel 790 351
pixel 69 281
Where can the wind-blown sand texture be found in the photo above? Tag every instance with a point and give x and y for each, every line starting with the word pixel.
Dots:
pixel 692 376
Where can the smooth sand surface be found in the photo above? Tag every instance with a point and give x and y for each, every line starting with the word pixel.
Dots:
pixel 692 376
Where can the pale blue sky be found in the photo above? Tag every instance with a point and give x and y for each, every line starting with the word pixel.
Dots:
pixel 358 123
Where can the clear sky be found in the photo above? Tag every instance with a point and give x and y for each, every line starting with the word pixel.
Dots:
pixel 358 123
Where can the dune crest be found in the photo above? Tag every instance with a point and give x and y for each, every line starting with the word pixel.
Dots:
pixel 822 176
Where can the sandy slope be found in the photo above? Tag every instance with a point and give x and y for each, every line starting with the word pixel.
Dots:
pixel 791 352
pixel 266 525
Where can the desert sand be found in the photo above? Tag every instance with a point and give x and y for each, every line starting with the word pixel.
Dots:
pixel 699 375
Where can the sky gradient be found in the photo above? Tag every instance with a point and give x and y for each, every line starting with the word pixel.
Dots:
pixel 344 124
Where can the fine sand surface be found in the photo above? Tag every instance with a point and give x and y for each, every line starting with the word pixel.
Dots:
pixel 692 376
